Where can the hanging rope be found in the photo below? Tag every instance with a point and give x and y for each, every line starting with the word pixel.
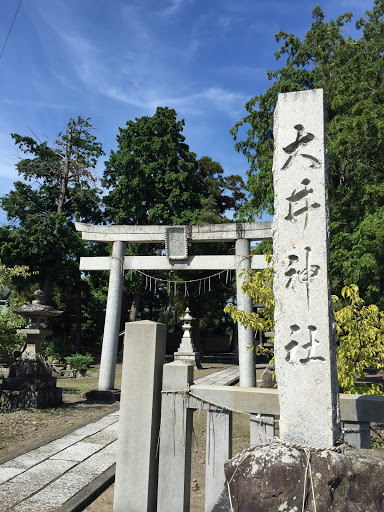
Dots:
pixel 204 282
pixel 169 282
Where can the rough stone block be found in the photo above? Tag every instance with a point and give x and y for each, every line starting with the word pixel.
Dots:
pixel 346 481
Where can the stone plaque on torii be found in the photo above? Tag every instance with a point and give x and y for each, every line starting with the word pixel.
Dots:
pixel 175 239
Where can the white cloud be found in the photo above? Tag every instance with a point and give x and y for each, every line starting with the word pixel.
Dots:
pixel 224 21
pixel 172 7
pixel 197 103
pixel 230 103
pixel 138 77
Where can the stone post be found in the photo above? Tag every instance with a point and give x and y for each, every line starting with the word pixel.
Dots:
pixel 218 451
pixel 305 347
pixel 137 463
pixel 175 440
pixel 112 318
pixel 245 336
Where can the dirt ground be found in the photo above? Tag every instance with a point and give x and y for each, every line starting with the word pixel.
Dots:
pixel 20 430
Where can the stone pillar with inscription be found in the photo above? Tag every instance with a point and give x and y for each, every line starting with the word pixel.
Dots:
pixel 305 349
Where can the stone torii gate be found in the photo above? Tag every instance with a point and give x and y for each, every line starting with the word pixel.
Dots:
pixel 175 239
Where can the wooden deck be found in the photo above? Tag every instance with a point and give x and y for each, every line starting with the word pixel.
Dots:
pixel 226 377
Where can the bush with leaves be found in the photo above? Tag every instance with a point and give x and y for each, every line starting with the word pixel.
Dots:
pixel 79 362
pixel 359 329
pixel 360 337
pixel 258 286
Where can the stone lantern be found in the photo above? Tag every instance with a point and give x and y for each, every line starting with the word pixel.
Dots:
pixel 186 351
pixel 30 383
pixel 36 324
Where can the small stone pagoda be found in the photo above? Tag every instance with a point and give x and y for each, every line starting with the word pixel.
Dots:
pixel 186 351
pixel 30 383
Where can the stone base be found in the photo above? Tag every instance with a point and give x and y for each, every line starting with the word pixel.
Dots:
pixel 24 399
pixel 188 357
pixel 29 385
pixel 109 395
pixel 271 478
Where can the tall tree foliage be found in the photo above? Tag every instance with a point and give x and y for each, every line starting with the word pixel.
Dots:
pixel 41 232
pixel 154 178
pixel 350 70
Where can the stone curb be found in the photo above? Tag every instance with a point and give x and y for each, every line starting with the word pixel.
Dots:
pixel 62 434
pixel 90 492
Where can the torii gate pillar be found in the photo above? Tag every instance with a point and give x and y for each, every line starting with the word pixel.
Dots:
pixel 245 336
pixel 112 318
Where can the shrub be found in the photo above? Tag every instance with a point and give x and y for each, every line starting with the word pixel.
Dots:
pixel 80 362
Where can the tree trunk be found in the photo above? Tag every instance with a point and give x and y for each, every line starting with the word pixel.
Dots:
pixel 164 315
pixel 136 301
pixel 65 176
pixel 47 288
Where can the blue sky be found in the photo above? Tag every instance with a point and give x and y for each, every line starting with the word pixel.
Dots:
pixel 119 59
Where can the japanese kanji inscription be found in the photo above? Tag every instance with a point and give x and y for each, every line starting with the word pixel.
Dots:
pixel 304 331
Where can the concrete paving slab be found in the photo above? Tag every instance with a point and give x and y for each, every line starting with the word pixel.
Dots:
pixel 45 472
pixel 78 452
pixel 25 461
pixel 90 492
pixel 63 442
pixel 8 473
pixel 105 436
pixel 62 489
pixel 92 428
pixel 12 494
pixel 30 506
pixel 100 461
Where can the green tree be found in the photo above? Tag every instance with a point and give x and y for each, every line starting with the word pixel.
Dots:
pixel 350 70
pixel 9 322
pixel 154 178
pixel 360 336
pixel 42 233
pixel 222 193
